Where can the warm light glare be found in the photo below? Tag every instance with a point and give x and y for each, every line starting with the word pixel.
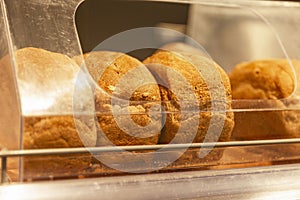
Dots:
pixel 280 195
pixel 30 104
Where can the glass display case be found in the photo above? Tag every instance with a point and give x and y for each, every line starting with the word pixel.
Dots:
pixel 76 125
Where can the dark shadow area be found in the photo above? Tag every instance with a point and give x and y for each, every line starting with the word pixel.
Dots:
pixel 98 20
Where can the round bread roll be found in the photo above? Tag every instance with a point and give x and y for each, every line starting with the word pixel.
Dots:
pixel 177 68
pixel 125 94
pixel 46 84
pixel 269 83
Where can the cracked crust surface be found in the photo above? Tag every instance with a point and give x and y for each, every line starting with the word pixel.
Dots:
pixel 205 78
pixel 122 78
pixel 186 63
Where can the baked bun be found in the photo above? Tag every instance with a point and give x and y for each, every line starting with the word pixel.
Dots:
pixel 127 82
pixel 180 68
pixel 46 84
pixel 269 83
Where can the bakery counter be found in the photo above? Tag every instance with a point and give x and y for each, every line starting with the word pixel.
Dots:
pixel 276 182
pixel 100 104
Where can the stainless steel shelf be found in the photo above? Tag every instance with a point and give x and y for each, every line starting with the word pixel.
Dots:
pixel 274 182
pixel 61 151
pixel 5 154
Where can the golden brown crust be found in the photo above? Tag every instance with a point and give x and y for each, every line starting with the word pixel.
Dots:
pixel 205 78
pixel 46 81
pixel 184 68
pixel 273 81
pixel 107 69
pixel 262 79
pixel 50 132
pixel 201 91
pixel 46 85
pixel 42 66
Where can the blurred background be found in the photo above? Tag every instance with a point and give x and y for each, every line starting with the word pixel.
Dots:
pixel 230 35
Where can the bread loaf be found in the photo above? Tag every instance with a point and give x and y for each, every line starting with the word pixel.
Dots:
pixel 46 85
pixel 264 87
pixel 205 78
pixel 108 69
